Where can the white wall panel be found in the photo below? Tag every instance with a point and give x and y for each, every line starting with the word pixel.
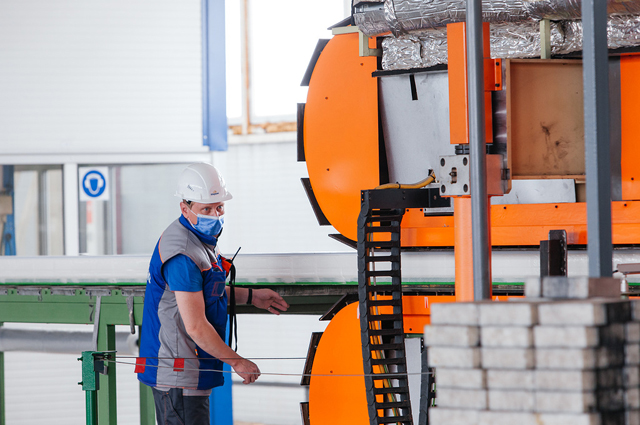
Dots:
pixel 269 211
pixel 43 388
pixel 283 338
pixel 100 76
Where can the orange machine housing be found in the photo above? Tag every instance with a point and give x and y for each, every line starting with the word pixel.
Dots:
pixel 341 131
pixel 341 142
pixel 342 151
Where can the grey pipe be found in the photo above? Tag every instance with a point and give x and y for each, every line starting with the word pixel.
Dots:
pixel 60 342
pixel 477 153
pixel 596 137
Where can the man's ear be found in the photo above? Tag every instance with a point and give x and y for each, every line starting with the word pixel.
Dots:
pixel 183 209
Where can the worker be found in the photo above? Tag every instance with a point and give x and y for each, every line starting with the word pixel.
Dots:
pixel 185 305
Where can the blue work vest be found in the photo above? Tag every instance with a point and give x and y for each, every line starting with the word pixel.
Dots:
pixel 163 335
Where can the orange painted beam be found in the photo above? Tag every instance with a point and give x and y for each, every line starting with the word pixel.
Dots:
pixel 463 249
pixel 630 125
pixel 528 224
pixel 457 74
pixel 417 309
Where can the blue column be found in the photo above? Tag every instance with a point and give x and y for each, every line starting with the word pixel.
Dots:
pixel 221 399
pixel 214 81
pixel 8 230
pixel 221 402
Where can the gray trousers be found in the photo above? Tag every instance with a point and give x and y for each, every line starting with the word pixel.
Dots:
pixel 174 408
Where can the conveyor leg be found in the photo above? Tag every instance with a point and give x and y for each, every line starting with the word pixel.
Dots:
pixel 147 406
pixel 107 407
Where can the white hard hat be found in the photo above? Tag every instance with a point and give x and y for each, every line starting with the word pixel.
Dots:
pixel 202 183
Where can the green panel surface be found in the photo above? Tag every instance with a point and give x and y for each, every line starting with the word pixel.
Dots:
pixel 147 406
pixel 2 408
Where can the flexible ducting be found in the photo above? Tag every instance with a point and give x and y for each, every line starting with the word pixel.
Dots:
pixel 407 16
pixel 508 40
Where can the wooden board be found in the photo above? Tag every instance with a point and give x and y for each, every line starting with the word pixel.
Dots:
pixel 545 120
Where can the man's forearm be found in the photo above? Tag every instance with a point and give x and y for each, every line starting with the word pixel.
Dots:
pixel 242 295
pixel 210 341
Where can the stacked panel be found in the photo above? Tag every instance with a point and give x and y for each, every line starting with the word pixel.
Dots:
pixel 538 361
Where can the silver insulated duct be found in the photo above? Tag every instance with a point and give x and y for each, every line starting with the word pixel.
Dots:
pixel 400 17
pixel 428 47
pixel 560 10
pixel 405 16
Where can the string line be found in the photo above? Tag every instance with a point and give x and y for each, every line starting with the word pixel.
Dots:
pixel 215 358
pixel 378 375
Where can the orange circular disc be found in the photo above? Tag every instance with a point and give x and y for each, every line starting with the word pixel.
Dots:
pixel 337 399
pixel 341 141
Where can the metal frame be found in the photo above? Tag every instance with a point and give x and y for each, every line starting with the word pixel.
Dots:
pixel 80 306
pixel 478 158
pixel 23 302
pixel 71 209
pixel 597 144
pixel 596 135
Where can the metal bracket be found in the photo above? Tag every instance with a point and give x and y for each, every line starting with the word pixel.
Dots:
pixel 132 320
pixel 553 254
pixel 96 322
pixel 67 291
pixel 133 292
pixel 454 175
pixel 93 362
pixel 363 40
pixel 29 291
pixel 98 292
pixel 626 270
pixel 545 39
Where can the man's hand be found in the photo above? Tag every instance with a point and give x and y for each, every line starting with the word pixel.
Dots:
pixel 269 300
pixel 246 369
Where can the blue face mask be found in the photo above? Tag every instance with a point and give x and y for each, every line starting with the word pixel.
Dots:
pixel 208 224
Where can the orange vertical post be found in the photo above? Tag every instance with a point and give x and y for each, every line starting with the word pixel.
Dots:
pixel 630 110
pixel 459 134
pixel 457 74
pixel 463 248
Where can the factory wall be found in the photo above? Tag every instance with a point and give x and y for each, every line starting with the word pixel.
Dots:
pixel 268 214
pixel 114 76
pixel 123 80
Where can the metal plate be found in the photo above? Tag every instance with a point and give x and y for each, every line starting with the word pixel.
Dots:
pixel 541 191
pixel 416 132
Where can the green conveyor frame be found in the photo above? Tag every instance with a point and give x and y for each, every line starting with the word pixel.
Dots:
pixel 78 304
pixel 63 303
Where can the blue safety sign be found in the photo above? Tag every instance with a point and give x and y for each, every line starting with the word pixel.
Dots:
pixel 94 183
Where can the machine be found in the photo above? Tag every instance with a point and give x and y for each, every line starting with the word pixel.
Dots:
pixel 385 137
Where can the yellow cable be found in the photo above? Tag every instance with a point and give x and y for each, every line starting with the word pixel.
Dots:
pixel 420 184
